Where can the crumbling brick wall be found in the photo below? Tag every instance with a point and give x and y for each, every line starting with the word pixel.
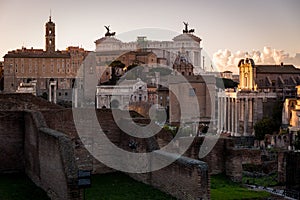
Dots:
pixel 46 156
pixel 11 141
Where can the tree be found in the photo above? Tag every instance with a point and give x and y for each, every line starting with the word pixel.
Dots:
pixel 116 67
pixel 225 83
pixel 132 66
pixel 263 127
pixel 277 115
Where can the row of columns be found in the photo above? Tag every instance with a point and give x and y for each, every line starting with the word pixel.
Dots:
pixel 232 111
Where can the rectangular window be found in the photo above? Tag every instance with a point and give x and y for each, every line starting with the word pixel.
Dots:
pixel 58 66
pixel 22 68
pixel 35 67
pixel 63 66
pixel 52 66
pixel 30 66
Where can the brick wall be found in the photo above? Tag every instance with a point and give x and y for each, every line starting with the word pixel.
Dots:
pixel 50 160
pixel 281 168
pixel 185 178
pixel 25 101
pixel 46 156
pixel 224 157
pixel 11 141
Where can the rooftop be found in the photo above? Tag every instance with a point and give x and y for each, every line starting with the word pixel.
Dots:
pixel 277 69
pixel 36 53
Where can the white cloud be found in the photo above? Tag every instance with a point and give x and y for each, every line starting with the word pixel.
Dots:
pixel 226 60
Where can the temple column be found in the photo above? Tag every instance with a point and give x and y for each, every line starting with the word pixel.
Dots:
pixel 99 99
pixel 232 117
pixel 246 113
pixel 255 102
pixel 108 101
pixel 251 115
pixel 237 121
pixel 228 114
pixel 222 114
pixel 54 93
pixel 50 93
pixel 219 114
pixel 225 114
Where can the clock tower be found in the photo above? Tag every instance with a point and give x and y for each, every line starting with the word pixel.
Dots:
pixel 50 36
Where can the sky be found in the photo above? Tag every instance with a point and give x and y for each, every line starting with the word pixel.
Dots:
pixel 267 29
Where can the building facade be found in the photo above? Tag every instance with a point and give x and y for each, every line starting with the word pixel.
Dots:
pixel 120 96
pixel 239 109
pixel 1 76
pixel 53 71
pixel 281 79
pixel 190 89
pixel 108 48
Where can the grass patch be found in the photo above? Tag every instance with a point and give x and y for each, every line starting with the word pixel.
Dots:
pixel 19 187
pixel 223 188
pixel 118 186
pixel 262 181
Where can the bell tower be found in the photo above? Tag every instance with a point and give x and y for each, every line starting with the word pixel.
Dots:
pixel 247 79
pixel 50 36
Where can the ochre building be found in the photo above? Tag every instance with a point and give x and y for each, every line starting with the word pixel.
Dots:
pixel 52 71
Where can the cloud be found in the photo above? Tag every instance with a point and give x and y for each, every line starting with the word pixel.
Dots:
pixel 226 60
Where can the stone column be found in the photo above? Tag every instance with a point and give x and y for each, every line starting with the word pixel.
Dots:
pixel 76 96
pixel 222 114
pixel 50 91
pixel 255 102
pixel 225 114
pixel 219 114
pixel 232 117
pixel 237 119
pixel 54 92
pixel 228 114
pixel 251 115
pixel 108 101
pixel 246 117
pixel 98 98
pixel 250 110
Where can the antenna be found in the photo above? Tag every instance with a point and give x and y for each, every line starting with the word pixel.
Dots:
pixel 50 15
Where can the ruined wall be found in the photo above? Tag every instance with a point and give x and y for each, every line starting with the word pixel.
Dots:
pixel 293 171
pixel 46 156
pixel 185 178
pixel 49 159
pixel 19 102
pixel 281 166
pixel 224 157
pixel 63 121
pixel 11 141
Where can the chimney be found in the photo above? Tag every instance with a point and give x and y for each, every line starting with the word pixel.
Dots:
pixel 281 64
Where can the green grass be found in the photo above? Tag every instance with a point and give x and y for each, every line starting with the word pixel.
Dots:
pixel 118 186
pixel 19 187
pixel 262 181
pixel 225 189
